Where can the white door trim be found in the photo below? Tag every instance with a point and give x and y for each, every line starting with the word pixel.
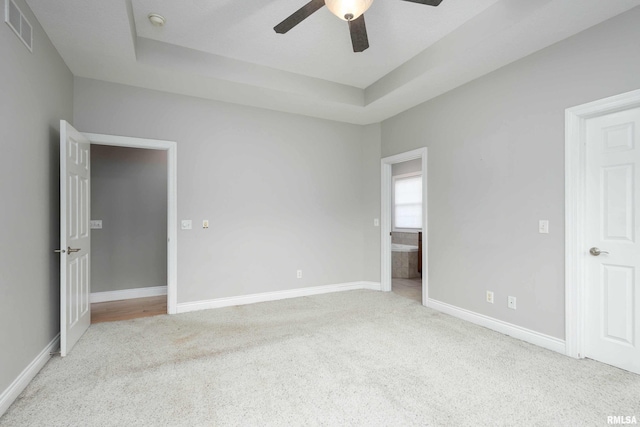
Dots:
pixel 385 223
pixel 575 215
pixel 172 206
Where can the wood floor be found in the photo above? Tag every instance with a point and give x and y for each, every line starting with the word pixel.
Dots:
pixel 128 309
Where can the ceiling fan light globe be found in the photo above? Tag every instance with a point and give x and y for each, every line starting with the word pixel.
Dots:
pixel 344 8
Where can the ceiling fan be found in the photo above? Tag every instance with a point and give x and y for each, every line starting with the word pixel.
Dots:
pixel 348 10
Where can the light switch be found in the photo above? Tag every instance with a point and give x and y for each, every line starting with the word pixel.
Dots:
pixel 543 226
pixel 186 224
pixel 205 223
pixel 95 224
pixel 376 222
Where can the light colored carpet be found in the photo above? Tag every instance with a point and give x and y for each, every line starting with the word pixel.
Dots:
pixel 351 358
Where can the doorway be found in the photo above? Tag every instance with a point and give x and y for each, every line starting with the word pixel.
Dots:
pixel 413 233
pixel 602 286
pixel 171 214
pixel 75 249
pixel 128 233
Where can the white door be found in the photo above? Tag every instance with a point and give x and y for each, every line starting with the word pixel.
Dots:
pixel 612 332
pixel 75 310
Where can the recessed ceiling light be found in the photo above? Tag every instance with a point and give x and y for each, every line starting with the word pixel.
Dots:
pixel 157 20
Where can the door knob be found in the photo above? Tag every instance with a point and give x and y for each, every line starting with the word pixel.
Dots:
pixel 69 250
pixel 596 252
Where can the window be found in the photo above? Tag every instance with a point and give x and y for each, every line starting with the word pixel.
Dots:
pixel 407 201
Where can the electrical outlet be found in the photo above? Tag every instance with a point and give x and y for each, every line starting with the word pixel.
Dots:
pixel 299 274
pixel 490 297
pixel 511 303
pixel 543 226
pixel 205 223
pixel 185 224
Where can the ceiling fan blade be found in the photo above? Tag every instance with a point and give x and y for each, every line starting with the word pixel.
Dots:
pixel 298 16
pixel 358 31
pixel 427 2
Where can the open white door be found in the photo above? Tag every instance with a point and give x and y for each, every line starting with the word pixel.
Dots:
pixel 613 247
pixel 75 239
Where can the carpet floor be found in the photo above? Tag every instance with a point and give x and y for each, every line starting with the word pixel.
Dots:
pixel 351 358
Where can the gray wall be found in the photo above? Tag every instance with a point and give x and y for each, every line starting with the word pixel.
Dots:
pixel 37 91
pixel 282 192
pixel 496 166
pixel 371 141
pixel 129 195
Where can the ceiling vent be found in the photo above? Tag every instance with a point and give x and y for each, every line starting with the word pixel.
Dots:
pixel 14 17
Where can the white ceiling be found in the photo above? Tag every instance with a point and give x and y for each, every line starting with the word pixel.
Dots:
pixel 318 47
pixel 227 49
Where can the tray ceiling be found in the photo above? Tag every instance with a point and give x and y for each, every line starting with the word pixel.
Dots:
pixel 227 50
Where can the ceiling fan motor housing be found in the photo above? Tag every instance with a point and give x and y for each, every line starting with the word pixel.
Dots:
pixel 348 10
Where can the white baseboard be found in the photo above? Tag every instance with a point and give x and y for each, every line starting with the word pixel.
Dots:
pixel 13 391
pixel 273 296
pixel 127 294
pixel 512 330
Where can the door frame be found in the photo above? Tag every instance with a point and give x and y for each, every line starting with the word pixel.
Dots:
pixel 385 219
pixel 172 201
pixel 575 212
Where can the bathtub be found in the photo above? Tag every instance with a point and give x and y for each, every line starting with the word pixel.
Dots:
pixel 405 261
pixel 397 247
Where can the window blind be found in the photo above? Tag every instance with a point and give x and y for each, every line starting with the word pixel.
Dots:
pixel 408 202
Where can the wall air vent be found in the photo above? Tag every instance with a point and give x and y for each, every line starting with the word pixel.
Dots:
pixel 14 18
